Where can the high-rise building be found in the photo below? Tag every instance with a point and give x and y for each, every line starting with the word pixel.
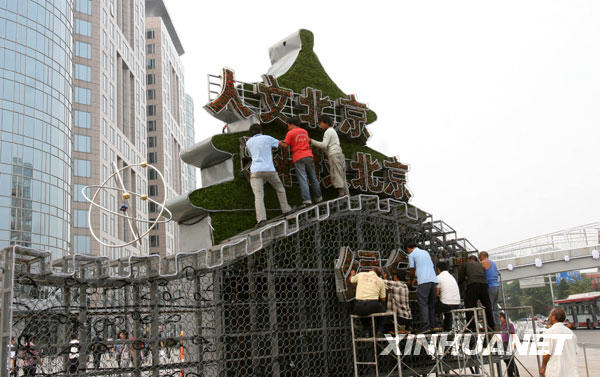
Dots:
pixel 190 135
pixel 109 119
pixel 166 122
pixel 36 42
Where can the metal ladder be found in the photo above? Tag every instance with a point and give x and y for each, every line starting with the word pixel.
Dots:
pixel 375 341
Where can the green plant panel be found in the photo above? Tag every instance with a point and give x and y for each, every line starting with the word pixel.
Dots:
pixel 237 194
pixel 307 71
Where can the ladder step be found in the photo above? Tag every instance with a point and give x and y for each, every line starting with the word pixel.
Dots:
pixel 370 339
pixel 366 363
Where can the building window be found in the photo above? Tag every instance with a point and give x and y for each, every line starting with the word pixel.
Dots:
pixel 83 96
pixel 80 218
pixel 150 48
pixel 151 141
pixel 155 227
pixel 82 168
pixel 152 207
pixel 84 6
pixel 151 94
pixel 151 110
pixel 150 63
pixel 83 27
pixel 149 34
pixel 83 50
pixel 154 240
pixel 105 222
pixel 83 72
pixel 153 190
pixel 150 79
pixel 151 125
pixel 82 143
pixel 77 192
pixel 81 244
pixel 152 174
pixel 152 157
pixel 82 119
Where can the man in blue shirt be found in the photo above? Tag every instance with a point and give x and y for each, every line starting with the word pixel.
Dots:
pixel 491 275
pixel 260 148
pixel 421 265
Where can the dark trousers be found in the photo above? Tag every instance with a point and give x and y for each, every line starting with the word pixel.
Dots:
pixel 511 366
pixel 73 365
pixel 445 310
pixel 29 371
pixel 367 307
pixel 479 291
pixel 97 358
pixel 426 301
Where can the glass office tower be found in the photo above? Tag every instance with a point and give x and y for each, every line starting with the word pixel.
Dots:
pixel 36 38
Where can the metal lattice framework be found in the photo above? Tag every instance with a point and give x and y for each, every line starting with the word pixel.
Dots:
pixel 566 239
pixel 261 304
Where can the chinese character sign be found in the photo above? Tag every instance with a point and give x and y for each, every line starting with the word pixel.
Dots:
pixel 270 103
pixel 365 168
pixel 396 179
pixel 228 106
pixel 273 100
pixel 314 104
pixel 354 115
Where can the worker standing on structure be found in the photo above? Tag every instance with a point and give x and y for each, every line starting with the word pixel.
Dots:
pixel 421 266
pixel 493 281
pixel 335 156
pixel 260 148
pixel 477 290
pixel 448 294
pixel 302 156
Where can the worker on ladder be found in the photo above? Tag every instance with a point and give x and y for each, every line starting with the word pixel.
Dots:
pixel 370 296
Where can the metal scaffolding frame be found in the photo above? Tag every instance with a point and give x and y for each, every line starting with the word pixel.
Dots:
pixel 261 303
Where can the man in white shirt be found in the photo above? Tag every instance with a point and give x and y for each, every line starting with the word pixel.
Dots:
pixel 561 358
pixel 448 294
pixel 73 355
pixel 335 156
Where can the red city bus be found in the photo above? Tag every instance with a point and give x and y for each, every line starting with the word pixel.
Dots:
pixel 583 309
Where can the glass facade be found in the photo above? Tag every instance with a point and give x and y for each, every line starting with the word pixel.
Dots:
pixel 36 40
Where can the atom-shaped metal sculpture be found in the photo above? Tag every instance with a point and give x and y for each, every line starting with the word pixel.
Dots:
pixel 122 211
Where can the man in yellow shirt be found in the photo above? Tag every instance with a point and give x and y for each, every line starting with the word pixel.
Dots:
pixel 370 296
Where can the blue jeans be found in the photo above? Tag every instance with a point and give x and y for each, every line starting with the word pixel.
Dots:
pixel 426 301
pixel 305 171
pixel 493 293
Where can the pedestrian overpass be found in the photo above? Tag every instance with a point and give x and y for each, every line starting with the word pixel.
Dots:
pixel 566 250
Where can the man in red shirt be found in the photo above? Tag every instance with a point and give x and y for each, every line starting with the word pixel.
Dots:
pixel 297 138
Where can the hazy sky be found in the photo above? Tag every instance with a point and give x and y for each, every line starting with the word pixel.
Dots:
pixel 495 106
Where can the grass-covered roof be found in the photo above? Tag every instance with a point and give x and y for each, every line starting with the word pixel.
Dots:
pixel 307 71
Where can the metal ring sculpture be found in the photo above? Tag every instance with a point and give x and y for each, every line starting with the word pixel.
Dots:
pixel 126 195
